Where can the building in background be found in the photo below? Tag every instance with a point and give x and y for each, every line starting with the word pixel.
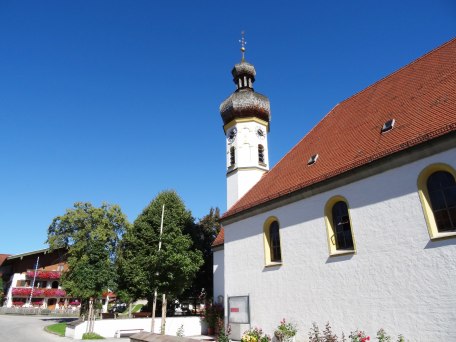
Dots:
pixel 356 225
pixel 35 285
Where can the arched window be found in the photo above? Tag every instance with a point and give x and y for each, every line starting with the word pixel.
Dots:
pixel 272 248
pixel 338 226
pixel 341 224
pixel 274 237
pixel 437 190
pixel 232 156
pixel 261 154
pixel 442 193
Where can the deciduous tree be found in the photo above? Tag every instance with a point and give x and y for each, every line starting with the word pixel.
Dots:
pixel 91 235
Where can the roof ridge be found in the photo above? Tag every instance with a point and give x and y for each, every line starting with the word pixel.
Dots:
pixel 399 70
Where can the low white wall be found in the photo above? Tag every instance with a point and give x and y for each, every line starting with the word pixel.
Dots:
pixel 108 327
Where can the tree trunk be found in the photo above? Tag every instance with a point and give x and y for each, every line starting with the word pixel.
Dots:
pixel 154 306
pixel 90 317
pixel 163 323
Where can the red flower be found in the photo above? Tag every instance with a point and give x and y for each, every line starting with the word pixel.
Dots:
pixel 21 291
pixel 54 293
pixel 44 274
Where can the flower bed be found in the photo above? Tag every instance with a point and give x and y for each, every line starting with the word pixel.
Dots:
pixel 255 335
pixel 54 293
pixel 26 291
pixel 44 274
pixel 285 331
pixel 21 291
pixel 18 303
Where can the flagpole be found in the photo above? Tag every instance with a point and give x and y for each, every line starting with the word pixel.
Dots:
pixel 154 306
pixel 33 281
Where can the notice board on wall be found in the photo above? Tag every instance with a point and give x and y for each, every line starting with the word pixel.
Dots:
pixel 238 310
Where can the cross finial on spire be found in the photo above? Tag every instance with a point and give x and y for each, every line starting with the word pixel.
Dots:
pixel 243 43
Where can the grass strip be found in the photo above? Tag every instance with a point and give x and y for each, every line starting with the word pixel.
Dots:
pixel 58 329
pixel 137 307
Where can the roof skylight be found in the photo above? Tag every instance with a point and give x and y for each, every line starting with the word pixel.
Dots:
pixel 387 126
pixel 312 160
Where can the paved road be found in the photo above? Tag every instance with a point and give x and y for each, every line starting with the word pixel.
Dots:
pixel 30 329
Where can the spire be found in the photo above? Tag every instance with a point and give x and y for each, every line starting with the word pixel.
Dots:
pixel 243 43
pixel 244 72
pixel 244 102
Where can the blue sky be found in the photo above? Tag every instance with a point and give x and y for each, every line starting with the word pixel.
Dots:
pixel 117 100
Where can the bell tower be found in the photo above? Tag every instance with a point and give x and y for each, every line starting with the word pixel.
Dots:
pixel 246 116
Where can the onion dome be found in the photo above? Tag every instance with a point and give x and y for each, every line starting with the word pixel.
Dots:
pixel 245 102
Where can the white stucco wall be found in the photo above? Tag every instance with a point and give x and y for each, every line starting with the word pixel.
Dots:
pixel 246 143
pixel 9 296
pixel 398 280
pixel 239 182
pixel 219 273
pixel 246 147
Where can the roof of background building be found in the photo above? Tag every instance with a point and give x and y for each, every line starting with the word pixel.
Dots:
pixel 220 238
pixel 3 257
pixel 41 251
pixel 420 97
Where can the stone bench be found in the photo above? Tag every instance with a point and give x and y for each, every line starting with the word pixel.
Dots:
pixel 127 332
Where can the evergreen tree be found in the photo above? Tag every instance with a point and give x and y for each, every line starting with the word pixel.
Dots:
pixel 203 235
pixel 142 268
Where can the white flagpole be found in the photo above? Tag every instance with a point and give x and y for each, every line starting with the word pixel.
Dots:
pixel 154 306
pixel 33 281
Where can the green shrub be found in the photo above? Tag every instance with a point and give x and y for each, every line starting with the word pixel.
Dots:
pixel 92 336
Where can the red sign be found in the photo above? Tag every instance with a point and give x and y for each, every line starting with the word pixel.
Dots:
pixel 234 310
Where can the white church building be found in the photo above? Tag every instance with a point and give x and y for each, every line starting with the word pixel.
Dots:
pixel 356 224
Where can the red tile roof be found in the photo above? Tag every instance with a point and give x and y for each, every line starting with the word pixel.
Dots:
pixel 3 257
pixel 421 97
pixel 219 239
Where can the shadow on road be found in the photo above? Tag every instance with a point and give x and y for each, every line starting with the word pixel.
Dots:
pixel 59 319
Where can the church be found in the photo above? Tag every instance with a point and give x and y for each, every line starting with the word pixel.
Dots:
pixel 356 224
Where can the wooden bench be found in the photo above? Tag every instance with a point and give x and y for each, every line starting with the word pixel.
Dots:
pixel 141 314
pixel 107 315
pixel 127 332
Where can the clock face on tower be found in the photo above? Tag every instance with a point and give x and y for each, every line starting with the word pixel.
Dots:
pixel 232 135
pixel 260 133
